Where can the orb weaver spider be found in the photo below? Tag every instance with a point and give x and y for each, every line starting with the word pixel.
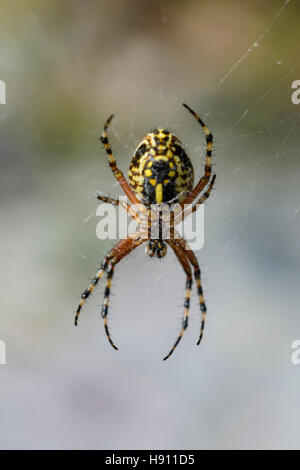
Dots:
pixel 160 173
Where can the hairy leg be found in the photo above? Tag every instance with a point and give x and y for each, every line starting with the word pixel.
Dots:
pixel 188 286
pixel 204 180
pixel 197 275
pixel 121 247
pixel 113 164
pixel 130 245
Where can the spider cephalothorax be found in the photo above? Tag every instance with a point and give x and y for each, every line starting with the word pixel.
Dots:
pixel 160 170
pixel 156 248
pixel 160 173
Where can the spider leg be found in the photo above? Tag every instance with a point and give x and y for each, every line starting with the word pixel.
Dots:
pixel 119 247
pixel 204 180
pixel 206 195
pixel 117 202
pixel 108 199
pixel 113 164
pixel 197 274
pixel 181 256
pixel 192 208
pixel 91 287
pixel 104 310
pixel 128 245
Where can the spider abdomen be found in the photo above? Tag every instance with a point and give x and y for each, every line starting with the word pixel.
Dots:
pixel 161 171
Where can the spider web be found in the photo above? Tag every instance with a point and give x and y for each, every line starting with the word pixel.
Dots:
pixel 240 388
pixel 248 163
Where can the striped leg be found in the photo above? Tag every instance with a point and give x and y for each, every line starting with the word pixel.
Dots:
pixel 188 285
pixel 113 164
pixel 197 274
pixel 91 287
pixel 209 140
pixel 104 310
pixel 119 250
pixel 206 195
pixel 127 246
pixel 108 199
pixel 192 208
pixel 132 210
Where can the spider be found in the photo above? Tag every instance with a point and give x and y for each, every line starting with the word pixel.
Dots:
pixel 160 173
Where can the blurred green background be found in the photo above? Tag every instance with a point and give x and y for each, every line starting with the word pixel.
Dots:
pixel 67 66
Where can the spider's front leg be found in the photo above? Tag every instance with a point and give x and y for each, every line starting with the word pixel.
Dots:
pixel 197 275
pixel 116 250
pixel 123 248
pixel 188 285
pixel 92 286
pixel 119 251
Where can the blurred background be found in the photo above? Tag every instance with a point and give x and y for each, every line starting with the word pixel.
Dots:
pixel 67 66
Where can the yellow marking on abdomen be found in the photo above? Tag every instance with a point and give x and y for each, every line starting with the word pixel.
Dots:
pixel 159 193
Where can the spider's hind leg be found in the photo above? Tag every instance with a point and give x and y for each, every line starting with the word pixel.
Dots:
pixel 113 164
pixel 209 141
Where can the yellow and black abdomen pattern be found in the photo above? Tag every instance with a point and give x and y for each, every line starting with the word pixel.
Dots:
pixel 161 171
